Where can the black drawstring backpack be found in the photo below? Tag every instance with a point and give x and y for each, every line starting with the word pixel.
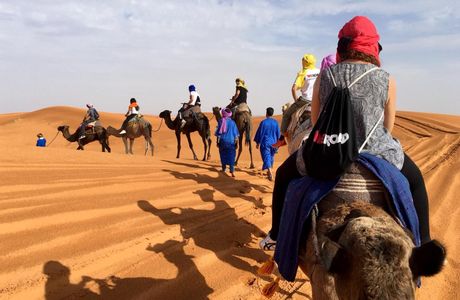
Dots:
pixel 332 145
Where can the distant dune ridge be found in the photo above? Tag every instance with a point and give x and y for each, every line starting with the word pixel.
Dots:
pixel 87 224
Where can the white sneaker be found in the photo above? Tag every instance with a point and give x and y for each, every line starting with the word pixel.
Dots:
pixel 267 243
pixel 123 132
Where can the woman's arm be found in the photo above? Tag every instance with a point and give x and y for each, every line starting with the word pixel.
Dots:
pixel 390 106
pixel 190 101
pixel 237 93
pixel 315 104
pixel 294 92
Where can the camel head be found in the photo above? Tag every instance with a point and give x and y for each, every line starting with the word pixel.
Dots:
pixel 374 258
pixel 62 128
pixel 216 110
pixel 164 114
pixel 286 106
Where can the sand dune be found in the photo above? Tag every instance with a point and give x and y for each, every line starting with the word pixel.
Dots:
pixel 87 224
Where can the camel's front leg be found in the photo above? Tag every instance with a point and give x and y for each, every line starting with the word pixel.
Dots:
pixel 203 138
pixel 178 142
pixel 240 148
pixel 191 145
pixel 209 141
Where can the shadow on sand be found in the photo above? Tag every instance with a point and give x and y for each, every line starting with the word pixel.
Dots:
pixel 230 187
pixel 219 230
pixel 188 284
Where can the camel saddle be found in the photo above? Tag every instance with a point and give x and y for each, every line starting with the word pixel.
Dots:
pixel 243 107
pixel 371 179
pixel 91 125
pixel 137 118
pixel 193 112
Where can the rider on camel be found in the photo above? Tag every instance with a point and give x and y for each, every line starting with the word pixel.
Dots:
pixel 241 95
pixel 194 101
pixel 304 82
pixel 133 111
pixel 91 116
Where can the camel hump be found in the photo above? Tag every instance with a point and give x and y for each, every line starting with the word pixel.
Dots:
pixel 138 122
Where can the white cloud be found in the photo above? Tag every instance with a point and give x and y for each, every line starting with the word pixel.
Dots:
pixel 60 52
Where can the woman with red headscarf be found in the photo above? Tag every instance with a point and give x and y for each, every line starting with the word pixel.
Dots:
pixel 358 51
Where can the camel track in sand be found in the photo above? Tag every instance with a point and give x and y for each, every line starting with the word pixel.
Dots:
pixel 138 227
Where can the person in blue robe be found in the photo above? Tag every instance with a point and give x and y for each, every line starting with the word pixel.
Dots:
pixel 41 141
pixel 267 134
pixel 227 140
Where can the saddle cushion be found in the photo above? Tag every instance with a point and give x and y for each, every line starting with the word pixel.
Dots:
pixel 91 125
pixel 304 193
pixel 243 107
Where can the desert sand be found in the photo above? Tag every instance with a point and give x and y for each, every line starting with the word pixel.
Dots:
pixel 87 224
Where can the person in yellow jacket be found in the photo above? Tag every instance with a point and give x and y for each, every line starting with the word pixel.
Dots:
pixel 304 83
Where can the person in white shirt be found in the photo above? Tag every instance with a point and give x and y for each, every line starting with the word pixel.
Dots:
pixel 133 111
pixel 194 100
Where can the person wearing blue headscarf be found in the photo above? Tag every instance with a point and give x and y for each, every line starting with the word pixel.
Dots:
pixel 267 134
pixel 227 140
pixel 194 102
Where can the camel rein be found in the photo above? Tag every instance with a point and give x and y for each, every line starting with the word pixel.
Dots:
pixel 53 139
pixel 159 127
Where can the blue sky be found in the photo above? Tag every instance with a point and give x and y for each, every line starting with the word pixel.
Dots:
pixel 105 52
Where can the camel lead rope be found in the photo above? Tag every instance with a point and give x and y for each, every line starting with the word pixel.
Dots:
pixel 314 216
pixel 161 123
pixel 53 139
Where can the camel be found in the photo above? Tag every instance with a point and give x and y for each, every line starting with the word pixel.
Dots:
pixel 359 251
pixel 299 129
pixel 134 130
pixel 98 133
pixel 243 123
pixel 196 125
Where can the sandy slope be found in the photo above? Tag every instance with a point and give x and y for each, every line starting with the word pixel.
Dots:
pixel 87 224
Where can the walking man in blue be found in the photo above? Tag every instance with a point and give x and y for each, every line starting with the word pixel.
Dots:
pixel 227 140
pixel 267 134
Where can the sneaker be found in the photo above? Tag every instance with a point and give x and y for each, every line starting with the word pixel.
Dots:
pixel 123 132
pixel 82 137
pixel 279 143
pixel 267 243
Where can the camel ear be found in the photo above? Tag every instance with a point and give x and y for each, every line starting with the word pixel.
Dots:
pixel 428 259
pixel 332 253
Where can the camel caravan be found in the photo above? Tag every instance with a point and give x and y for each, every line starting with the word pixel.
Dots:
pixel 349 207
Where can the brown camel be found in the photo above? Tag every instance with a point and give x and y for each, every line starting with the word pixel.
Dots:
pixel 299 128
pixel 359 251
pixel 197 124
pixel 243 123
pixel 134 130
pixel 97 133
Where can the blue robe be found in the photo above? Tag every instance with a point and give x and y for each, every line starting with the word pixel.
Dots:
pixel 227 149
pixel 267 134
pixel 41 142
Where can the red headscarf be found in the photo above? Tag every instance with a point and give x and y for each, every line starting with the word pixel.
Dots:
pixel 363 35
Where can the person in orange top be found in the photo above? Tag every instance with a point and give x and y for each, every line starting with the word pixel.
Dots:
pixel 133 111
